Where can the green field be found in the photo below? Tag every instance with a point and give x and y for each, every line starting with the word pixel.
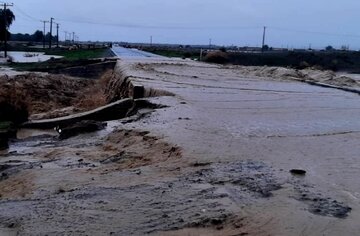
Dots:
pixel 82 54
pixel 182 53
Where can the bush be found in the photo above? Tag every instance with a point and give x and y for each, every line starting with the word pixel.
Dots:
pixel 187 55
pixel 303 65
pixel 217 57
pixel 94 96
pixel 222 49
pixel 13 106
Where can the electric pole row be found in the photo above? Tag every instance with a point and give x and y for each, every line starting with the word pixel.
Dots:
pixel 51 29
pixel 44 32
pixel 50 39
pixel 57 35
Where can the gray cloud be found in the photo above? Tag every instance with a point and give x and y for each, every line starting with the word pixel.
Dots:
pixel 237 22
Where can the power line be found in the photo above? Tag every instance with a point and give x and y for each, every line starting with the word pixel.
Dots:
pixel 44 32
pixel 173 27
pixel 26 15
pixel 315 32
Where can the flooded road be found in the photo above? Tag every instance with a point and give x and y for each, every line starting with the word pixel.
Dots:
pixel 226 117
pixel 29 57
pixel 122 52
pixel 215 159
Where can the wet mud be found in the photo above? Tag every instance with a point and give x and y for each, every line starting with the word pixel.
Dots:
pixel 131 182
pixel 320 204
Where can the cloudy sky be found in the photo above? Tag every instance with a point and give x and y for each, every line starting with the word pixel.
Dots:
pixel 291 23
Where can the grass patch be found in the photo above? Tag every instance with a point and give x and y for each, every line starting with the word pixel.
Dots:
pixel 51 65
pixel 81 54
pixel 182 53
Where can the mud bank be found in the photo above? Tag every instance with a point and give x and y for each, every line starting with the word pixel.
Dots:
pixel 314 77
pixel 124 85
pixel 43 92
pixel 93 71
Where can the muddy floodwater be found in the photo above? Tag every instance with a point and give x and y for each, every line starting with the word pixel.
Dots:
pixel 214 160
pixel 227 117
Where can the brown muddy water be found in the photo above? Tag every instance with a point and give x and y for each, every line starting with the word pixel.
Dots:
pixel 215 161
pixel 27 133
pixel 228 117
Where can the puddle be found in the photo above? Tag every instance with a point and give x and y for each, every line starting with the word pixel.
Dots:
pixel 28 133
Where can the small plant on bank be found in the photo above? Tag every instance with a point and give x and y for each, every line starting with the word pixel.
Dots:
pixel 14 105
pixel 217 57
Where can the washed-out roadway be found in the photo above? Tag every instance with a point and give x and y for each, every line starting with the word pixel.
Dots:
pixel 214 160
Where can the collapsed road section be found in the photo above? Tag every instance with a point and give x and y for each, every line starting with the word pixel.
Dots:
pixel 218 158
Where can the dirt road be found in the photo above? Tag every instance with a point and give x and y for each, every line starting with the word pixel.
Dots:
pixel 214 161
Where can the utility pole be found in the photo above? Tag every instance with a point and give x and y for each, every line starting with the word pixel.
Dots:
pixel 5 26
pixel 44 33
pixel 151 41
pixel 263 41
pixel 57 35
pixel 210 42
pixel 51 23
pixel 73 35
pixel 66 33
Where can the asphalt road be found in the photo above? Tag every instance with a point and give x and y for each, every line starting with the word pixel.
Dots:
pixel 132 53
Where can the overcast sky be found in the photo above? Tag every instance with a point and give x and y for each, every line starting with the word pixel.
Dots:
pixel 291 23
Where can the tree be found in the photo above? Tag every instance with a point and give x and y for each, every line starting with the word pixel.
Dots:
pixel 7 17
pixel 222 49
pixel 265 48
pixel 38 36
pixel 47 37
pixel 329 48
